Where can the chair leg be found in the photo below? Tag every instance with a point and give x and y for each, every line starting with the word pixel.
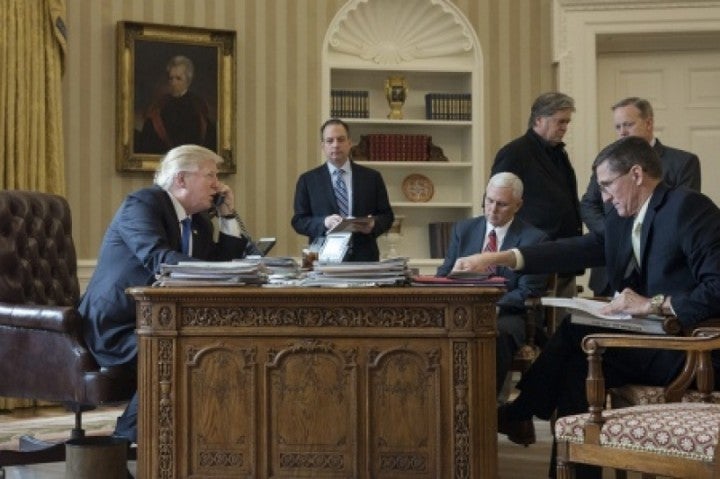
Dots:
pixel 564 470
pixel 620 474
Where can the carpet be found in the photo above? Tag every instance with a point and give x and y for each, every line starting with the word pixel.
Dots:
pixel 53 424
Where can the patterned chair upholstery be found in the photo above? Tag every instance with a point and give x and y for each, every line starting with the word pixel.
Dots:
pixel 42 352
pixel 673 439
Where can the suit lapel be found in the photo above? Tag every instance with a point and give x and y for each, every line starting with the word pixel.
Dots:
pixel 512 238
pixel 656 200
pixel 326 180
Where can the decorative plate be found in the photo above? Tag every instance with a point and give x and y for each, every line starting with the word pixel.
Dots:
pixel 418 188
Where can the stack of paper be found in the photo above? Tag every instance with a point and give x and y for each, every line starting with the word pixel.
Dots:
pixel 212 273
pixel 589 312
pixel 459 279
pixel 359 274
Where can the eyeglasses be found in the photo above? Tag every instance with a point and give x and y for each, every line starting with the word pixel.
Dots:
pixel 605 185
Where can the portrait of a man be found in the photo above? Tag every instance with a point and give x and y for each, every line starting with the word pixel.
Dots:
pixel 176 97
pixel 176 86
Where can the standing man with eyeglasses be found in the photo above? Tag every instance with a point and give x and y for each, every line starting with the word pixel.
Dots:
pixel 340 188
pixel 633 116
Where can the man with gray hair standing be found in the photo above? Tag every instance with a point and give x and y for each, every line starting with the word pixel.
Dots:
pixel 539 159
pixel 498 230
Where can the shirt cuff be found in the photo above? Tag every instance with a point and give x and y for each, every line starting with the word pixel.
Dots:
pixel 230 226
pixel 519 260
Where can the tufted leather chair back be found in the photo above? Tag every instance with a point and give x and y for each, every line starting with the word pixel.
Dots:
pixel 42 350
pixel 37 255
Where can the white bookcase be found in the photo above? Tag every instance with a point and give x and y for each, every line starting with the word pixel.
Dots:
pixel 433 46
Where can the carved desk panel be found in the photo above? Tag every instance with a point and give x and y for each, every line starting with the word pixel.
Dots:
pixel 316 383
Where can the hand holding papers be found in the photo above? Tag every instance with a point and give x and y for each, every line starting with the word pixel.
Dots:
pixel 353 225
pixel 589 312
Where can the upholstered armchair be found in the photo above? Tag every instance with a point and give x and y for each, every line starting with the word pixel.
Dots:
pixel 42 352
pixel 674 439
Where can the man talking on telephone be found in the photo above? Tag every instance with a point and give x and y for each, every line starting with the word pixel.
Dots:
pixel 165 223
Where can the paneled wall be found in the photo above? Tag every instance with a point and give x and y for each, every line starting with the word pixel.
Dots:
pixel 278 110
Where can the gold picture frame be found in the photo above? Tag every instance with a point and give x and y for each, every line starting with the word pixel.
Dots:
pixel 155 65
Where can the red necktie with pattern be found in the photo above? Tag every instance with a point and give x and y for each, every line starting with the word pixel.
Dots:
pixel 491 247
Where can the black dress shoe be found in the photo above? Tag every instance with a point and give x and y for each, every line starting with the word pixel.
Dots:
pixel 518 431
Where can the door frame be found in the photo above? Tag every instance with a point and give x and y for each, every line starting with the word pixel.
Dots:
pixel 577 26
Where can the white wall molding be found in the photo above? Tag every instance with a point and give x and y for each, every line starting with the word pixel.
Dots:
pixel 577 26
pixel 85 269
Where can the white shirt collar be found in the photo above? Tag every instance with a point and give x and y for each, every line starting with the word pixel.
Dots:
pixel 500 231
pixel 179 210
pixel 345 167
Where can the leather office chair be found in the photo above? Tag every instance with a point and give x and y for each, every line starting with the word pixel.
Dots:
pixel 42 352
pixel 676 439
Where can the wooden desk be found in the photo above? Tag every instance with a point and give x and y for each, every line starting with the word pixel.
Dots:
pixel 316 383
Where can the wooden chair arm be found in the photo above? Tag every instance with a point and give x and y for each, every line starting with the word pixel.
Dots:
pixel 698 363
pixel 709 340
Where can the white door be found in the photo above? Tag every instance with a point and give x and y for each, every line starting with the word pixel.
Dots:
pixel 684 90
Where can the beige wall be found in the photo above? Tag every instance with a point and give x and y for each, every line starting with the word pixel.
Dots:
pixel 278 111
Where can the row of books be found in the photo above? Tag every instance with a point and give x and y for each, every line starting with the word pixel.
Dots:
pixel 448 106
pixel 349 104
pixel 396 147
pixel 439 238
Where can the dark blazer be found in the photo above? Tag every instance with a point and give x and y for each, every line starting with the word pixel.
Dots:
pixel 679 168
pixel 550 197
pixel 315 200
pixel 143 235
pixel 680 249
pixel 467 238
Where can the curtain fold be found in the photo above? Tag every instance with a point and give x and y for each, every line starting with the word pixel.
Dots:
pixel 32 46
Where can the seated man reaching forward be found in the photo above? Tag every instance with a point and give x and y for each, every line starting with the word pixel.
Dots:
pixel 498 230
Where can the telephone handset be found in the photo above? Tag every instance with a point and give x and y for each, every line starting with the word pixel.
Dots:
pixel 218 200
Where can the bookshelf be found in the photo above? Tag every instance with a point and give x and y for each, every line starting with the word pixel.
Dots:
pixel 434 48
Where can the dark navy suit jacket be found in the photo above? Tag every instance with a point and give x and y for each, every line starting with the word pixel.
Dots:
pixel 680 168
pixel 143 235
pixel 467 238
pixel 680 253
pixel 550 187
pixel 315 200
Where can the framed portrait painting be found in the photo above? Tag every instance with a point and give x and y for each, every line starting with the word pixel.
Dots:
pixel 175 85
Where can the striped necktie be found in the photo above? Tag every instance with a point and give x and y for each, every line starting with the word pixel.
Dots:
pixel 341 194
pixel 491 247
pixel 186 230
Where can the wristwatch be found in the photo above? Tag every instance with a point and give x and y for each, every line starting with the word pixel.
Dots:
pixel 656 303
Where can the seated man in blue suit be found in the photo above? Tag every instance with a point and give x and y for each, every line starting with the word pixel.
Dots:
pixel 319 208
pixel 503 198
pixel 661 247
pixel 145 233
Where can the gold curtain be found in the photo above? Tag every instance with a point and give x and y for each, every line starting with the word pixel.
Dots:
pixel 32 46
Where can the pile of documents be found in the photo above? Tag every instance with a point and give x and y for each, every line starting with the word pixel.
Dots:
pixel 590 312
pixel 358 274
pixel 460 278
pixel 212 273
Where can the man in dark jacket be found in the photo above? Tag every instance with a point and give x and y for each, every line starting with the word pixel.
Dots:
pixel 145 233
